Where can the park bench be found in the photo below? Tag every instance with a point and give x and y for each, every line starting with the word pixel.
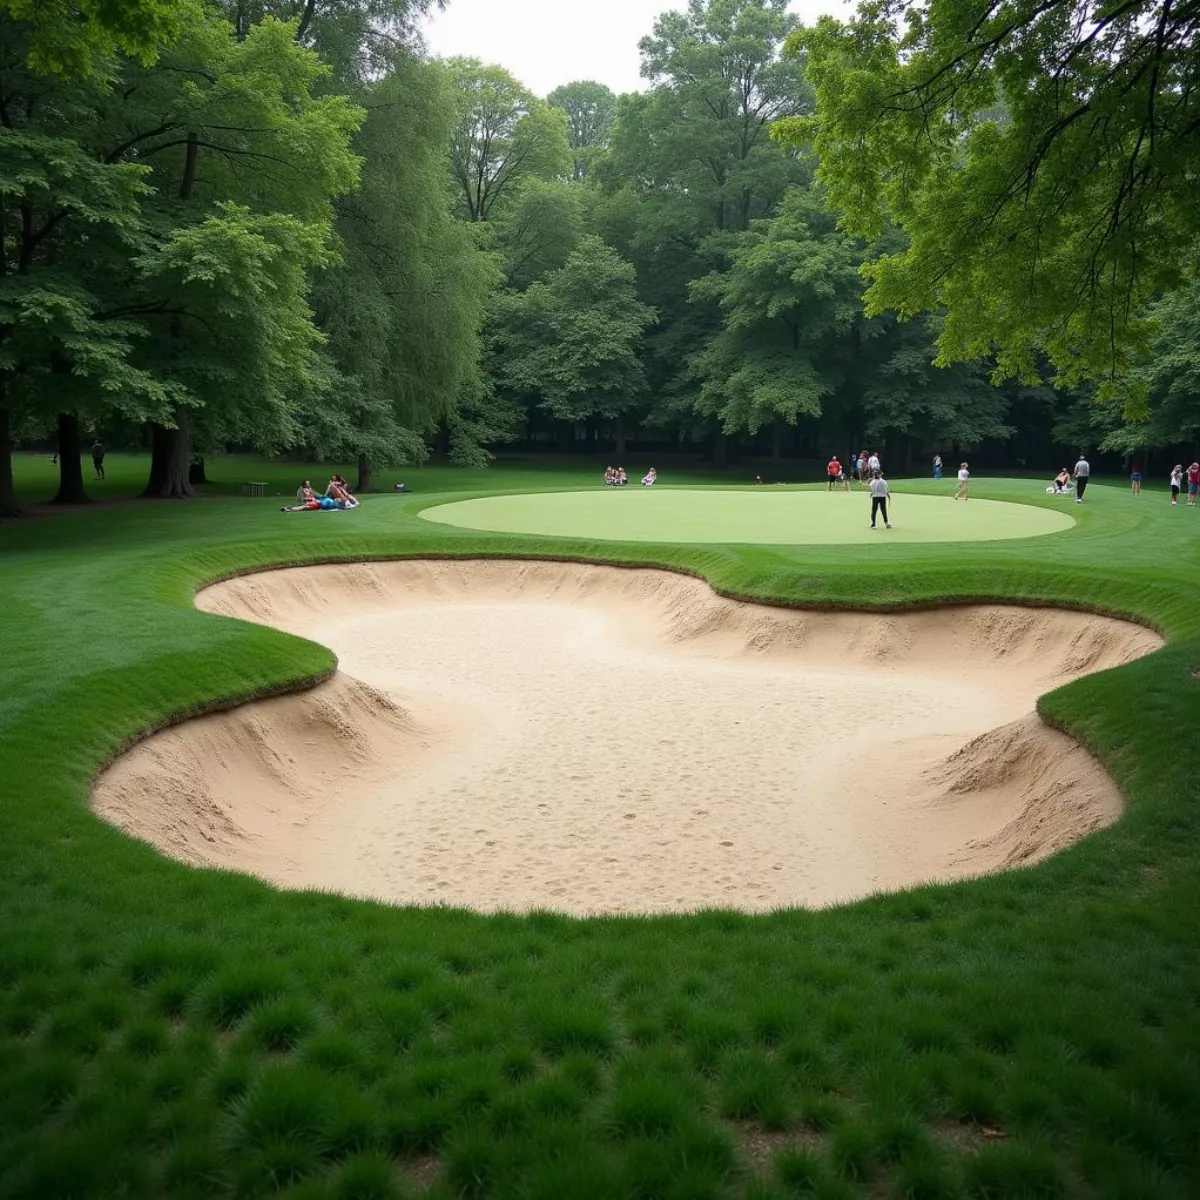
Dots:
pixel 254 488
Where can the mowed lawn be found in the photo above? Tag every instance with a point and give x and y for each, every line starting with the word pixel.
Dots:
pixel 174 1032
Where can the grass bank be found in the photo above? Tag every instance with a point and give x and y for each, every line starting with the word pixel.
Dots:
pixel 172 1032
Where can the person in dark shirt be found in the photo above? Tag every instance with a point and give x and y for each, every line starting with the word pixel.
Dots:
pixel 98 458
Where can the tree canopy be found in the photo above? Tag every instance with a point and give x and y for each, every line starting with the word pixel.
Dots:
pixel 1041 155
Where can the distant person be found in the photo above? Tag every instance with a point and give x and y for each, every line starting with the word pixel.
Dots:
pixel 964 482
pixel 758 479
pixel 650 478
pixel 873 465
pixel 1083 472
pixel 937 466
pixel 305 491
pixel 1193 482
pixel 402 487
pixel 1176 482
pixel 1135 479
pixel 862 467
pixel 1062 483
pixel 98 458
pixel 834 471
pixel 879 499
pixel 610 477
pixel 622 478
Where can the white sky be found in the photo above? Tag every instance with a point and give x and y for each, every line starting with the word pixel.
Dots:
pixel 548 42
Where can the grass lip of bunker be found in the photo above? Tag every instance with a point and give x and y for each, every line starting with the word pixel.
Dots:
pixel 460 756
pixel 747 516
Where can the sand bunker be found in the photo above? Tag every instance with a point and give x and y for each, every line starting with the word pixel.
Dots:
pixel 512 735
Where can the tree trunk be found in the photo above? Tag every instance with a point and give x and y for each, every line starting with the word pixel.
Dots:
pixel 566 436
pixel 366 475
pixel 8 494
pixel 196 471
pixel 170 456
pixel 619 438
pixel 441 443
pixel 70 463
pixel 720 451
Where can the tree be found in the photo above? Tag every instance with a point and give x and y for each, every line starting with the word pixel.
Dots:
pixel 591 108
pixel 536 233
pixel 695 151
pixel 570 342
pixel 789 300
pixel 359 40
pixel 67 218
pixel 403 308
pixel 504 135
pixel 719 82
pixel 1041 155
pixel 159 268
pixel 76 39
pixel 245 163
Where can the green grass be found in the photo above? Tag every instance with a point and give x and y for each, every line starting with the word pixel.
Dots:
pixel 173 1032
pixel 750 516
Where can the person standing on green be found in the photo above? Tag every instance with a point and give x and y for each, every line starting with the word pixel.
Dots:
pixel 98 458
pixel 1083 472
pixel 879 499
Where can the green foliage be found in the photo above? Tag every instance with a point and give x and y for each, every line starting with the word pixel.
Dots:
pixel 76 38
pixel 503 135
pixel 401 310
pixel 571 340
pixel 791 294
pixel 591 108
pixel 1041 159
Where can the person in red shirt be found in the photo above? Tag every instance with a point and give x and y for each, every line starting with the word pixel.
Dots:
pixel 835 473
pixel 1193 482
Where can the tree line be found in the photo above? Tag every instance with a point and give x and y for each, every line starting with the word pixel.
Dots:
pixel 277 224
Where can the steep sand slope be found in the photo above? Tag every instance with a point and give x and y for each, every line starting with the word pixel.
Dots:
pixel 508 735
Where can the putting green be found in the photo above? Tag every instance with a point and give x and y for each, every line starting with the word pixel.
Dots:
pixel 762 516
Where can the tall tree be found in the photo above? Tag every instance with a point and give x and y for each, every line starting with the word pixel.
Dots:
pixel 68 217
pixel 402 309
pixel 570 342
pixel 790 299
pixel 591 109
pixel 504 135
pixel 1041 154
pixel 245 162
pixel 357 39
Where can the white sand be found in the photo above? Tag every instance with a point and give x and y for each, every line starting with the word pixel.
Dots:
pixel 593 739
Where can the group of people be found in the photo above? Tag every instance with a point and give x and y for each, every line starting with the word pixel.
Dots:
pixel 616 477
pixel 1082 473
pixel 1180 476
pixel 863 467
pixel 337 496
pixel 868 470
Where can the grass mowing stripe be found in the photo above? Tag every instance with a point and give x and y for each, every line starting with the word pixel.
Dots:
pixel 172 1032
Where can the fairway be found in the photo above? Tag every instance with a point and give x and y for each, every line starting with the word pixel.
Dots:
pixel 750 517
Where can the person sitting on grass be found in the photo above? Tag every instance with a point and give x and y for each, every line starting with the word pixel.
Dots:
pixel 610 477
pixel 338 488
pixel 649 478
pixel 622 478
pixel 1062 482
pixel 306 496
